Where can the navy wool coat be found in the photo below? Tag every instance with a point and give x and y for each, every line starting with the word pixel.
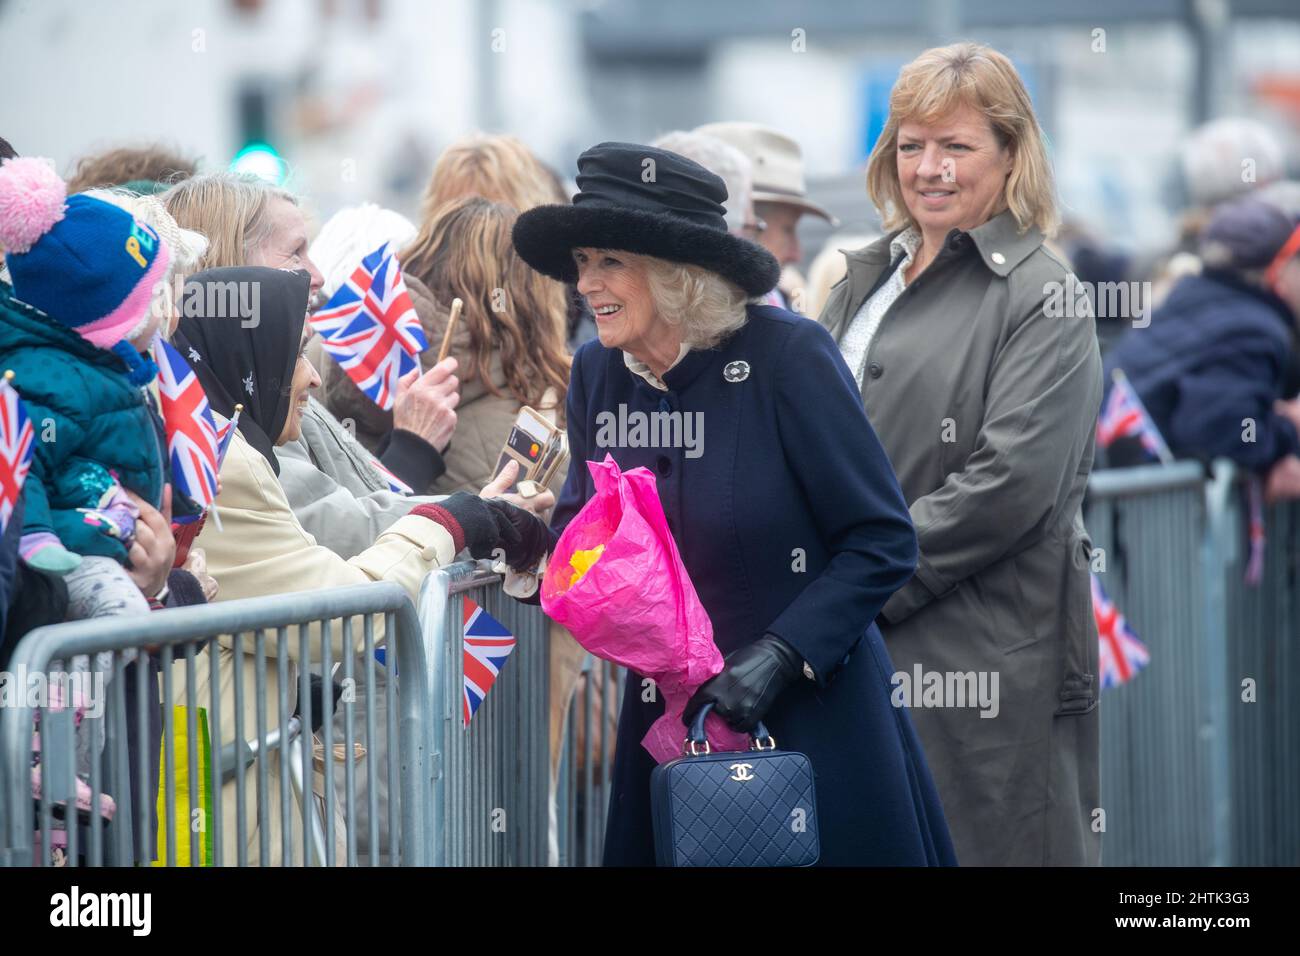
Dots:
pixel 1217 351
pixel 790 521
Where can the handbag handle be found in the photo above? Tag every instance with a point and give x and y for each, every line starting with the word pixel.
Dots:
pixel 697 743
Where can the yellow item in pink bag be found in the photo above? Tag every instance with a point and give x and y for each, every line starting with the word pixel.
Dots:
pixel 581 562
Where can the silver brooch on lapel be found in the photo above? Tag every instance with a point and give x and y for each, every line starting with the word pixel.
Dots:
pixel 736 371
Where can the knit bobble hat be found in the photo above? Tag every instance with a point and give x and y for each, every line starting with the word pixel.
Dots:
pixel 86 264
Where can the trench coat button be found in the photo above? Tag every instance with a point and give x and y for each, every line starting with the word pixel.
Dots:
pixel 999 258
pixel 664 465
pixel 957 242
pixel 874 370
pixel 665 405
pixel 736 371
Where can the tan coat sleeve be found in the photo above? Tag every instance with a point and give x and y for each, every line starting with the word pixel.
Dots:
pixel 261 549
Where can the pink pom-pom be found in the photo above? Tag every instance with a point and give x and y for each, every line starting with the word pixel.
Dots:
pixel 32 199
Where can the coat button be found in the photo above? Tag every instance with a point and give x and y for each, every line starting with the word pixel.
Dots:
pixel 999 258
pixel 665 405
pixel 664 465
pixel 957 242
pixel 874 370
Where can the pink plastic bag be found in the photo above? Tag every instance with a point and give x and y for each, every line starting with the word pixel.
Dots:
pixel 636 605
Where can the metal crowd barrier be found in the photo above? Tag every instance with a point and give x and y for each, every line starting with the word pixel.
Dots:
pixel 1199 751
pixel 227 788
pixel 490 783
pixel 496 799
pixel 1192 772
pixel 586 762
pixel 1263 647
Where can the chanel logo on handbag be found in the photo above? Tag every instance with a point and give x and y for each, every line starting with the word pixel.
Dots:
pixel 742 772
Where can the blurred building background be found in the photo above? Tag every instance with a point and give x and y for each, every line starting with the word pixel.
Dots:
pixel 357 97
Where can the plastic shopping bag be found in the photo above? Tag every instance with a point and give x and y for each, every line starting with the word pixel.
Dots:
pixel 628 599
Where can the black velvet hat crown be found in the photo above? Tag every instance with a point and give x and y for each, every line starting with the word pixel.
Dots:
pixel 648 201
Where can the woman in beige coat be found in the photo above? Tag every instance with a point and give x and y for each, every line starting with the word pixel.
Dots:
pixel 261 549
pixel 983 387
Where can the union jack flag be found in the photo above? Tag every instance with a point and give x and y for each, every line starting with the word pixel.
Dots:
pixel 191 431
pixel 370 328
pixel 395 484
pixel 487 645
pixel 1125 415
pixel 225 432
pixel 17 442
pixel 1121 654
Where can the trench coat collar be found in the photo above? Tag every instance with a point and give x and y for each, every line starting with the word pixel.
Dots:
pixel 999 238
pixel 1001 235
pixel 1001 244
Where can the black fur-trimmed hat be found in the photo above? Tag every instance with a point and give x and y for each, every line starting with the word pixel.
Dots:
pixel 649 201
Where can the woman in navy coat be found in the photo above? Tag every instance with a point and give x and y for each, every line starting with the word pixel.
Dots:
pixel 782 503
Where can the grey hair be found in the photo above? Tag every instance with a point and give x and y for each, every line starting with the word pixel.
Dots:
pixel 229 209
pixel 708 307
pixel 722 159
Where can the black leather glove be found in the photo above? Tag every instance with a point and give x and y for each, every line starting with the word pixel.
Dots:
pixel 470 521
pixel 751 678
pixel 524 536
pixel 485 524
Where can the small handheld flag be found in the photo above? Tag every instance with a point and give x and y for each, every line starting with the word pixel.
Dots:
pixel 1125 415
pixel 1121 654
pixel 191 430
pixel 487 645
pixel 370 327
pixel 395 484
pixel 1255 533
pixel 225 432
pixel 17 444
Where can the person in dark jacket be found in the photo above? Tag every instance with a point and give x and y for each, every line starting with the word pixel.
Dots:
pixel 84 275
pixel 1211 366
pixel 28 598
pixel 784 507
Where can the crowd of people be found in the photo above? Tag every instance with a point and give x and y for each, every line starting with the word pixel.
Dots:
pixel 897 450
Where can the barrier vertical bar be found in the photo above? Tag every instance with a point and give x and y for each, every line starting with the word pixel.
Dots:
pixel 169 751
pixel 241 810
pixel 263 782
pixel 349 736
pixel 1214 570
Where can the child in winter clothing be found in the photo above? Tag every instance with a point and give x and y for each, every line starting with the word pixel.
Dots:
pixel 84 275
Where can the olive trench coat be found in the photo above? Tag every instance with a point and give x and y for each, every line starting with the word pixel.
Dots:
pixel 985 398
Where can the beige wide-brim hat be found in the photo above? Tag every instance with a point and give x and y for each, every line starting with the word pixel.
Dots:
pixel 777 162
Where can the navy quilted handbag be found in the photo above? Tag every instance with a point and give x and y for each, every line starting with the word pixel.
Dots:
pixel 740 808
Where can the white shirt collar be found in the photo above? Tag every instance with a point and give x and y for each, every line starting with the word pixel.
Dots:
pixel 637 367
pixel 906 242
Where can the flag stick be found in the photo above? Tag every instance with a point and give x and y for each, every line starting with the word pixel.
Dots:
pixel 456 306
